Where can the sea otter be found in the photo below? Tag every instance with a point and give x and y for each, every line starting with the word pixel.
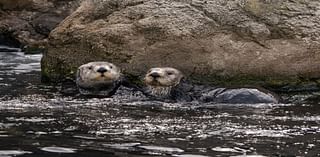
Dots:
pixel 166 83
pixel 239 96
pixel 98 79
pixel 169 83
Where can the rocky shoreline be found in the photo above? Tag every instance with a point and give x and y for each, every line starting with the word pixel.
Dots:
pixel 27 23
pixel 274 44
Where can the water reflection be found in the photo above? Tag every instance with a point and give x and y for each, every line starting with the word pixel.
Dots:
pixel 36 120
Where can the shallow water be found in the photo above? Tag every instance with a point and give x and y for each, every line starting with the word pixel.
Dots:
pixel 36 121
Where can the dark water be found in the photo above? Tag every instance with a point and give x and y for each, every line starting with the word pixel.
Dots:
pixel 37 121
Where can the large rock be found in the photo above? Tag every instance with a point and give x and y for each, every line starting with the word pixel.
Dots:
pixel 15 4
pixel 235 41
pixel 29 22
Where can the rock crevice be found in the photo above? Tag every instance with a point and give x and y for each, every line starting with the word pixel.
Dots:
pixel 30 21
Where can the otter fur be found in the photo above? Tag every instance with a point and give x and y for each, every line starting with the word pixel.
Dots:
pixel 98 79
pixel 170 83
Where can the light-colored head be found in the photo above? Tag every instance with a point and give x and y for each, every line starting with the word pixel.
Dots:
pixel 95 73
pixel 161 80
pixel 163 77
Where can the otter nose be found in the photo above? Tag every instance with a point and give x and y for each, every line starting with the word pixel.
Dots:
pixel 155 75
pixel 102 70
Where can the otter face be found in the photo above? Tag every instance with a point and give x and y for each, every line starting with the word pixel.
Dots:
pixel 163 77
pixel 160 81
pixel 93 73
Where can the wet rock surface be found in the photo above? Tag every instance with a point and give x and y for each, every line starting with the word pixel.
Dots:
pixel 250 42
pixel 29 22
pixel 36 120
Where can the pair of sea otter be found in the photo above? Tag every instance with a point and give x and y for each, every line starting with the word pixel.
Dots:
pixel 104 78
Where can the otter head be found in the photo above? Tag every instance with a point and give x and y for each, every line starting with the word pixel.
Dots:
pixel 161 80
pixel 97 77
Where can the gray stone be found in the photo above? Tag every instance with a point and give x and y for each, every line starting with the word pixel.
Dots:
pixel 45 23
pixel 264 42
pixel 30 21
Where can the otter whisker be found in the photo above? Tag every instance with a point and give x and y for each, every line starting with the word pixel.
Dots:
pixel 162 81
pixel 160 91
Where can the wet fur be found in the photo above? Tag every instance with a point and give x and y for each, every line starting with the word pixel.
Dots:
pixel 166 85
pixel 91 82
pixel 180 91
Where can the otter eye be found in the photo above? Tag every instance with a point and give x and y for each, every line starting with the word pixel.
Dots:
pixel 90 68
pixel 111 67
pixel 170 73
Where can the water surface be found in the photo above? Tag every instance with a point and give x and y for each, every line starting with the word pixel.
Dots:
pixel 36 120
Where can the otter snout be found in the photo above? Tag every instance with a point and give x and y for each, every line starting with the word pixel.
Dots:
pixel 155 75
pixel 102 70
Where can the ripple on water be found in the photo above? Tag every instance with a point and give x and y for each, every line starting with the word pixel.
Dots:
pixel 159 149
pixel 18 62
pixel 85 137
pixel 9 153
pixel 248 156
pixel 122 146
pixel 26 68
pixel 32 119
pixel 132 117
pixel 59 149
pixel 189 155
pixel 220 149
